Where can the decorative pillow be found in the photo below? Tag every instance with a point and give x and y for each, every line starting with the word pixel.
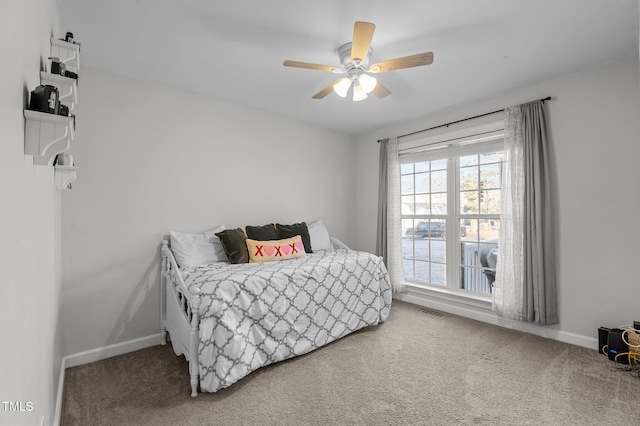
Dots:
pixel 288 231
pixel 197 249
pixel 319 236
pixel 264 251
pixel 262 233
pixel 234 244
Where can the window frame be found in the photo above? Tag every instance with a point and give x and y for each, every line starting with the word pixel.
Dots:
pixel 450 146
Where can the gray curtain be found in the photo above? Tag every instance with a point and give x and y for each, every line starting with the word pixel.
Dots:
pixel 388 238
pixel 383 185
pixel 540 299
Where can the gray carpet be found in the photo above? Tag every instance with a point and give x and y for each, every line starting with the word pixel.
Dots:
pixel 415 369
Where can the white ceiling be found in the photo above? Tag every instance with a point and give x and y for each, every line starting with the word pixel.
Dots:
pixel 233 50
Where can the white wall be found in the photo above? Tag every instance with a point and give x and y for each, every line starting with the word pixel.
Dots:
pixel 153 159
pixel 594 133
pixel 30 218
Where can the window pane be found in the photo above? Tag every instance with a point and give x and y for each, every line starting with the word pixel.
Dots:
pixel 421 249
pixel 469 252
pixel 407 204
pixel 407 248
pixel 407 227
pixel 439 165
pixel 438 251
pixel 469 202
pixel 489 230
pixel 468 278
pixel 406 184
pixel 439 203
pixel 468 178
pixel 477 272
pixel 438 274
pixel 490 176
pixel 406 168
pixel 470 160
pixel 474 279
pixel 488 257
pixel 422 167
pixel 465 229
pixel 407 270
pixel 490 201
pixel 422 204
pixel 439 181
pixel 422 182
pixel 422 271
pixel 492 157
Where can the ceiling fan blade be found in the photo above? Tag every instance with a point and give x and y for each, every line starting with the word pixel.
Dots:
pixel 307 65
pixel 400 63
pixel 380 91
pixel 362 36
pixel 324 92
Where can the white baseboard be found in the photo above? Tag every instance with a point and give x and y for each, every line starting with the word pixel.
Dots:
pixel 484 315
pixel 98 354
pixel 112 350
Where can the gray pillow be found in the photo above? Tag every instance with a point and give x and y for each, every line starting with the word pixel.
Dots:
pixel 288 231
pixel 234 242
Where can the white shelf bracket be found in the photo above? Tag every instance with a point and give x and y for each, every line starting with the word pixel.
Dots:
pixel 46 135
pixel 64 175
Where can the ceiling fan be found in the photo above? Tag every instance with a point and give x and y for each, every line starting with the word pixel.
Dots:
pixel 354 60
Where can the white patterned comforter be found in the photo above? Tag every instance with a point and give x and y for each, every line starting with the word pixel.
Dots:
pixel 255 314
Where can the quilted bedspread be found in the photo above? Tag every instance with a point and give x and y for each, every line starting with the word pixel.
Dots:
pixel 256 314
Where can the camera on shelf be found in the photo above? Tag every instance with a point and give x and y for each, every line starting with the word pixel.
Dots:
pixel 69 39
pixel 57 67
pixel 45 98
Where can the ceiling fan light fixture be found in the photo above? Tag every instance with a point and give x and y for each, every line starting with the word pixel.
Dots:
pixel 342 87
pixel 358 93
pixel 367 82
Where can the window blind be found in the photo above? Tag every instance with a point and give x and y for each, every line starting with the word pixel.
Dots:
pixel 469 141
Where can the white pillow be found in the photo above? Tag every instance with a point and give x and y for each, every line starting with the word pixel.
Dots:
pixel 197 249
pixel 319 236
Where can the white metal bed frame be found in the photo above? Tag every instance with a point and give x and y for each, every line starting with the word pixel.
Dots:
pixel 179 309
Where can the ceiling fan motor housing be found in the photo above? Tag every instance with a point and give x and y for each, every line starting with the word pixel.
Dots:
pixel 353 70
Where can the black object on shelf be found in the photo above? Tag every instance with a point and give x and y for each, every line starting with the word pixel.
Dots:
pixel 45 98
pixel 57 67
pixel 64 110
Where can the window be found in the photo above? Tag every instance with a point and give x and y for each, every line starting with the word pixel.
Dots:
pixel 450 207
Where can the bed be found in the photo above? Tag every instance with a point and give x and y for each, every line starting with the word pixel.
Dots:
pixel 231 319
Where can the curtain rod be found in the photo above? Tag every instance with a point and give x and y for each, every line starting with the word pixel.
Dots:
pixel 548 98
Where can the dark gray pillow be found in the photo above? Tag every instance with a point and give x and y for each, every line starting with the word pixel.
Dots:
pixel 234 243
pixel 262 233
pixel 288 231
